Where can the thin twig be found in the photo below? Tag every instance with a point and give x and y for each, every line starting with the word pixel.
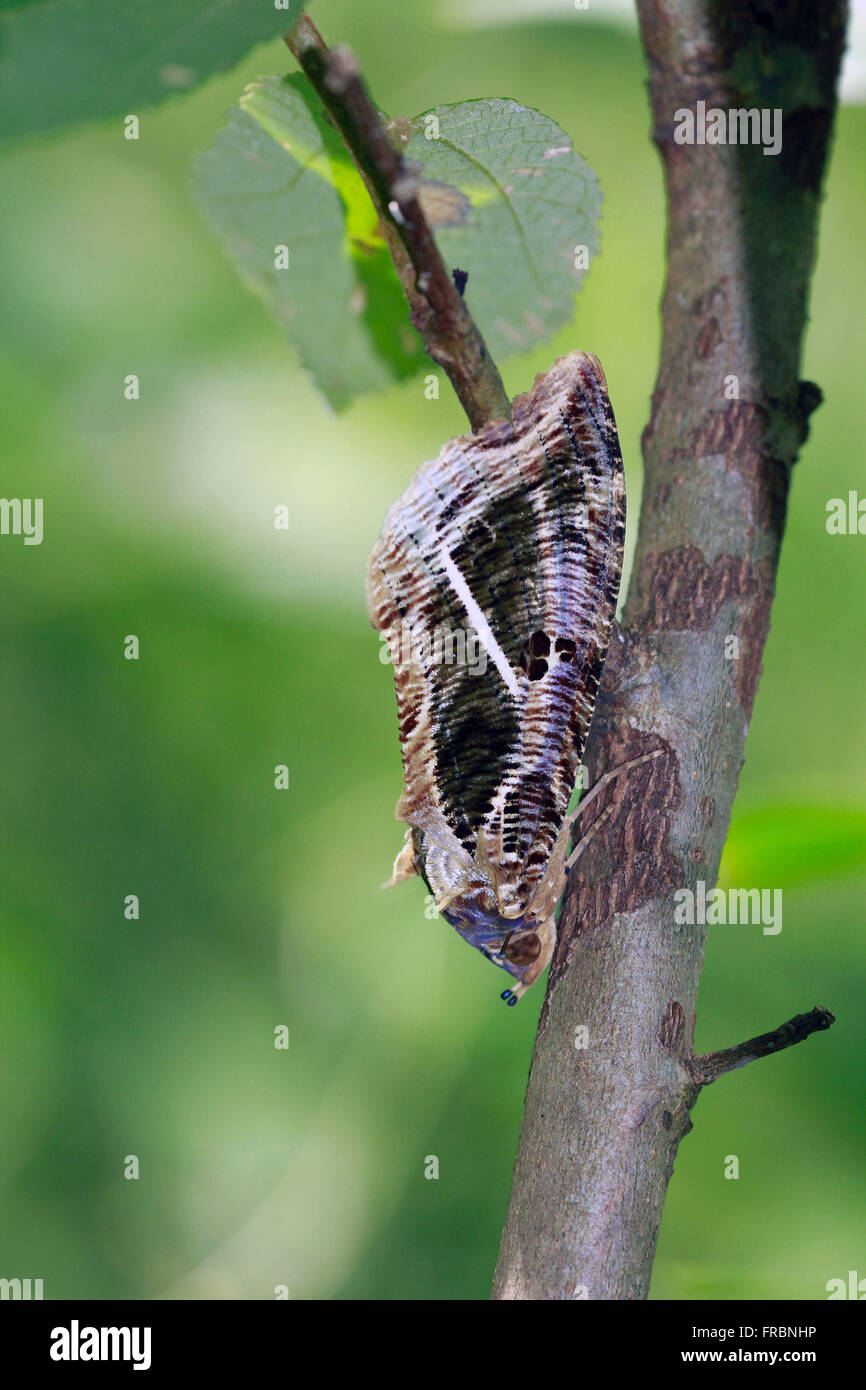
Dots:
pixel 706 1068
pixel 450 335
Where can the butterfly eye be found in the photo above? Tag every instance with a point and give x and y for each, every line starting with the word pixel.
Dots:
pixel 523 950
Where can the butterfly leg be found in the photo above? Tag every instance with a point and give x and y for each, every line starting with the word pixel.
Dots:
pixel 585 839
pixel 593 792
pixel 606 780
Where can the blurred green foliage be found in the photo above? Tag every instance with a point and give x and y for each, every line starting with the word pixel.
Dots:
pixel 258 907
pixel 62 62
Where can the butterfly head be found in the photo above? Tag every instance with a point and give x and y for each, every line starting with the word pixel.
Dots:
pixel 483 904
pixel 521 946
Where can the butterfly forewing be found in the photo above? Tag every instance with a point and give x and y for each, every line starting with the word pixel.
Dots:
pixel 495 579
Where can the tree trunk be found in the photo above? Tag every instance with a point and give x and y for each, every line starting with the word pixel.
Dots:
pixel 606 1107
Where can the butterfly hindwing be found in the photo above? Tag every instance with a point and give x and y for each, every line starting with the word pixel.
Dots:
pixel 495 579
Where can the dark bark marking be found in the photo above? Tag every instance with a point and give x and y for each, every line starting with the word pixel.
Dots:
pixel 708 309
pixel 672 1026
pixel 679 592
pixel 708 339
pixel 629 862
pixel 752 633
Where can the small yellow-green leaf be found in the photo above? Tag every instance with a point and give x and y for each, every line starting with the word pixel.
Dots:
pixel 280 175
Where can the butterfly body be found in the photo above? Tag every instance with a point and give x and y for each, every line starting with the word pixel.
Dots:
pixel 513 538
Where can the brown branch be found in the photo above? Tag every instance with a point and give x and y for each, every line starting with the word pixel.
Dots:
pixel 711 1065
pixel 603 1121
pixel 450 334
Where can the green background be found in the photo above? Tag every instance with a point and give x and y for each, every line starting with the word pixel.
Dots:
pixel 261 907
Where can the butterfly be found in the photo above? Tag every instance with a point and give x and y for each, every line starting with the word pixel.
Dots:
pixel 494 582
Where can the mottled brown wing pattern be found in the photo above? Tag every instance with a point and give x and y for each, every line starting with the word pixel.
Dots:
pixel 513 539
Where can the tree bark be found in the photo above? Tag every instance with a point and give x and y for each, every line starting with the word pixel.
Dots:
pixel 606 1108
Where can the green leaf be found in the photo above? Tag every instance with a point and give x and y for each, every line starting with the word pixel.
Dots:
pixel 280 175
pixel 505 192
pixel 532 201
pixel 79 60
